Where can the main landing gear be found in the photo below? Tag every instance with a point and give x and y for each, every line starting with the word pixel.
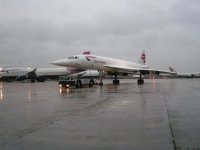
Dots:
pixel 140 80
pixel 115 81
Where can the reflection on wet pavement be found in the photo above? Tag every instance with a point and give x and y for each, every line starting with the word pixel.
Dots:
pixel 161 114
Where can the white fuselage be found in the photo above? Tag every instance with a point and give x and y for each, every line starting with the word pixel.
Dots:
pixel 98 63
pixel 52 71
pixel 46 72
pixel 195 74
pixel 10 72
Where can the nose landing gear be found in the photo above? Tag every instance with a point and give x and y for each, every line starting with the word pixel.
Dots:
pixel 115 81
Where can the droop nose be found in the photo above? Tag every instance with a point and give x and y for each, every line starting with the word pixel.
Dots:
pixel 62 62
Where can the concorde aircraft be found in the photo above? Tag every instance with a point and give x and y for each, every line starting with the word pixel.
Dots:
pixel 110 65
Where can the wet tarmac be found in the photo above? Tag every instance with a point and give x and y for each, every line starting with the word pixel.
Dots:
pixel 161 114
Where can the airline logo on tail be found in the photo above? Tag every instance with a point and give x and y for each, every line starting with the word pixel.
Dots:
pixel 142 59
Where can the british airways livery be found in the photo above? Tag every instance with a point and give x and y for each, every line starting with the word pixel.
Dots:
pixel 109 65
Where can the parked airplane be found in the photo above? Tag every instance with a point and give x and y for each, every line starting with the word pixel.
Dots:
pixel 185 75
pixel 11 74
pixel 110 65
pixel 34 74
pixel 42 74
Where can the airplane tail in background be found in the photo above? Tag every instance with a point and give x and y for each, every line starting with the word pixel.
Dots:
pixel 142 59
pixel 171 69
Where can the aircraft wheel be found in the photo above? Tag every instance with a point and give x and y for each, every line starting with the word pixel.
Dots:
pixel 115 82
pixel 91 83
pixel 32 80
pixel 100 83
pixel 78 84
pixel 140 81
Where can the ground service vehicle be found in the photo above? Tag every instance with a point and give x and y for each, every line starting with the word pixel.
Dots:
pixel 73 81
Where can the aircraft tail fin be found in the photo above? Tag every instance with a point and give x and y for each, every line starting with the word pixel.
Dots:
pixel 32 73
pixel 142 59
pixel 171 69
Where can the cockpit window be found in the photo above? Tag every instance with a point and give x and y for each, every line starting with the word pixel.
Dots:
pixel 73 57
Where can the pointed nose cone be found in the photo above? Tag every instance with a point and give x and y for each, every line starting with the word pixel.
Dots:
pixel 62 62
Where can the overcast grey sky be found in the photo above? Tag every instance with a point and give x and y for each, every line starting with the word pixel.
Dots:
pixel 36 32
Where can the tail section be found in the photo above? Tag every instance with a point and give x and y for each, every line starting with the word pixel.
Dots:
pixel 171 69
pixel 142 59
